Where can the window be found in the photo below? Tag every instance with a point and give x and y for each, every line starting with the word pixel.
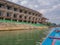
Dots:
pixel 1 5
pixel 8 14
pixel 39 15
pixel 33 13
pixel 15 9
pixel 28 21
pixel 0 13
pixel 39 19
pixel 36 14
pixel 9 7
pixel 15 16
pixel 32 22
pixel 20 16
pixel 21 10
pixel 29 12
pixel 25 11
pixel 36 18
pixel 35 22
pixel 29 18
pixel 33 18
pixel 25 17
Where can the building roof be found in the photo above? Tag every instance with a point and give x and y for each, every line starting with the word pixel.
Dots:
pixel 45 18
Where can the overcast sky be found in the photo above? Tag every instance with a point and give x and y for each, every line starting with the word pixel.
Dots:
pixel 49 8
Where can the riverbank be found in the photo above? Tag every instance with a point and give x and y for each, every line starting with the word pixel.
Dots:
pixel 5 26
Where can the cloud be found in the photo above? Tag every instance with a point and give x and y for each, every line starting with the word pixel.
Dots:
pixel 53 13
pixel 24 2
pixel 49 9
pixel 42 11
pixel 36 6
pixel 44 2
pixel 54 7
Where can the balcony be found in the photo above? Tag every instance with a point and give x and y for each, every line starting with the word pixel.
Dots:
pixel 7 17
pixel 2 8
pixel 1 17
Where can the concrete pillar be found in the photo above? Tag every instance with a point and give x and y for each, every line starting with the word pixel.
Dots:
pixel 5 6
pixel 12 16
pixel 34 20
pixel 40 19
pixel 31 19
pixel 37 20
pixel 18 18
pixel 4 15
pixel 27 18
pixel 22 18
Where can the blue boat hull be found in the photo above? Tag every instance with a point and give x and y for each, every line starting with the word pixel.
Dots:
pixel 53 38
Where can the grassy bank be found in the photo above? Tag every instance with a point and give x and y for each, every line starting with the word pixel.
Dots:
pixel 13 25
pixel 9 21
pixel 22 37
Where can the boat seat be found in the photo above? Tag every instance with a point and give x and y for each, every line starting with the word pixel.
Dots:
pixel 57 30
pixel 54 37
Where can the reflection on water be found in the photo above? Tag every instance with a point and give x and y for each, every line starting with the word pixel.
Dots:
pixel 22 37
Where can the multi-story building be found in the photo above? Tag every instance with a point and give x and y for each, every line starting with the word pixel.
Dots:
pixel 12 11
pixel 44 20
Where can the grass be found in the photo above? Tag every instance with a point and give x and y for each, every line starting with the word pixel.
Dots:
pixel 9 21
pixel 23 37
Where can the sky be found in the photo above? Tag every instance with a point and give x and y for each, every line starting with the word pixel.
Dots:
pixel 49 8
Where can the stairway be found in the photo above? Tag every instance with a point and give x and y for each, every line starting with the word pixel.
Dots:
pixel 53 38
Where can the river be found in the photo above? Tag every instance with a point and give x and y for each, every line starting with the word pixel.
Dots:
pixel 22 37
